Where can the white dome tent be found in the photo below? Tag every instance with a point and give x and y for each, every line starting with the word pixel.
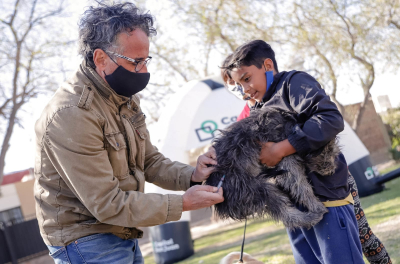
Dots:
pixel 191 116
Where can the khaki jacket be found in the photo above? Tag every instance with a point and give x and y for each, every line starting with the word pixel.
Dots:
pixel 93 156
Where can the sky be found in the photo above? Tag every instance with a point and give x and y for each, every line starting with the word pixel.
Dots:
pixel 21 153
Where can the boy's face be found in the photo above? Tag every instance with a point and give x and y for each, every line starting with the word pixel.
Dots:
pixel 253 79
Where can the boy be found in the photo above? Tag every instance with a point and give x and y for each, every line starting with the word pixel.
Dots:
pixel 335 239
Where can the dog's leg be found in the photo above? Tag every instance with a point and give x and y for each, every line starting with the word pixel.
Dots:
pixel 324 161
pixel 280 208
pixel 295 182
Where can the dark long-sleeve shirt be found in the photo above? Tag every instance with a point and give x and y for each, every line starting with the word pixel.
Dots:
pixel 322 121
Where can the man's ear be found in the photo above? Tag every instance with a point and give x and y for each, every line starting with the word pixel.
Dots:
pixel 100 59
pixel 269 65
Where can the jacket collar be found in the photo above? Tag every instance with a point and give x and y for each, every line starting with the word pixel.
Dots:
pixel 104 88
pixel 268 94
pixel 270 91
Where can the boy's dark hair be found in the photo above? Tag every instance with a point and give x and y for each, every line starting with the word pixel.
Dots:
pixel 251 53
pixel 224 70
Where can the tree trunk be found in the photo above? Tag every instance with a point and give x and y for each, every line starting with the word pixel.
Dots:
pixel 360 111
pixel 339 105
pixel 6 140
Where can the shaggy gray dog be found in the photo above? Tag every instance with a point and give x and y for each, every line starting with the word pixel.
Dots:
pixel 252 189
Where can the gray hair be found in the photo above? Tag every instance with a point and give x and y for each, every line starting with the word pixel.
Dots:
pixel 99 27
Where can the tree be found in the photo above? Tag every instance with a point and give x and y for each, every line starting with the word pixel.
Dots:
pixel 350 37
pixel 333 38
pixel 29 49
pixel 392 118
pixel 307 36
pixel 393 13
pixel 204 33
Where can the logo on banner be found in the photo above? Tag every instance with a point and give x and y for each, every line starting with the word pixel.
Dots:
pixel 208 128
pixel 165 246
pixel 371 172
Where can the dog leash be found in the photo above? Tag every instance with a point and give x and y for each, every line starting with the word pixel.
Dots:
pixel 245 223
pixel 244 237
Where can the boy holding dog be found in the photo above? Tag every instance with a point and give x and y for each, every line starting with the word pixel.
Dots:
pixel 335 238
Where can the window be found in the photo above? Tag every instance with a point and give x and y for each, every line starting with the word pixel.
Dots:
pixel 11 216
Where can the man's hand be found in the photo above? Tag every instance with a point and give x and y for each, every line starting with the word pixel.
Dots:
pixel 202 171
pixel 201 196
pixel 272 153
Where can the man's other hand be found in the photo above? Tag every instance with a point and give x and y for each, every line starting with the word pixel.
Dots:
pixel 203 168
pixel 201 196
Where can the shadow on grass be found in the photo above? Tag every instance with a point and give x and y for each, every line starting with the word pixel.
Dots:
pixel 227 234
pixel 254 245
pixel 238 242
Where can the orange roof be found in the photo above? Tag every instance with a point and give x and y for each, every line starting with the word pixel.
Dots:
pixel 15 176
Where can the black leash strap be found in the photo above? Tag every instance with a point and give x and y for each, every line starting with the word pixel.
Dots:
pixel 244 237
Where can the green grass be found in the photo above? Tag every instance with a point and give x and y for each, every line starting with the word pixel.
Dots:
pixel 268 242
pixel 394 167
pixel 260 235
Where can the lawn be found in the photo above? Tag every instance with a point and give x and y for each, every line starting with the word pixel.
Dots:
pixel 268 242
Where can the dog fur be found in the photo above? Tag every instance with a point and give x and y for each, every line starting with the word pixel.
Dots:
pixel 235 256
pixel 252 189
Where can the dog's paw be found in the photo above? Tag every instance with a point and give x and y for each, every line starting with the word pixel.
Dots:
pixel 315 218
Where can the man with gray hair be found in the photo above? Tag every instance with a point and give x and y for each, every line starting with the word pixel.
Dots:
pixel 93 151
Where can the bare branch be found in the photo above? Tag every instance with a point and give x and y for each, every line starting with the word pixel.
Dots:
pixel 37 20
pixel 3 106
pixel 391 20
pixel 169 62
pixel 157 84
pixel 394 23
pixel 28 75
pixel 32 11
pixel 13 15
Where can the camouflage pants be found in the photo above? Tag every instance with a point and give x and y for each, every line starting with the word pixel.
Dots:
pixel 372 247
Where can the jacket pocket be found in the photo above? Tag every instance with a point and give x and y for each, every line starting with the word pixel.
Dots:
pixel 138 123
pixel 340 217
pixel 55 251
pixel 117 153
pixel 89 223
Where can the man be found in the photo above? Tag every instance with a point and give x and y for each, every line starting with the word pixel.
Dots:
pixel 94 151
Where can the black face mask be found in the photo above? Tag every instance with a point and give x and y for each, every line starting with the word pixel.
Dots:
pixel 127 83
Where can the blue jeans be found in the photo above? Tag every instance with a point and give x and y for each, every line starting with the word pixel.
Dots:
pixel 335 239
pixel 98 248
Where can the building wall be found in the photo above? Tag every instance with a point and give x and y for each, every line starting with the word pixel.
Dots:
pixel 9 198
pixel 27 200
pixel 371 131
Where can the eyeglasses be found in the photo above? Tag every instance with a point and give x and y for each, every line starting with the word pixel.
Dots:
pixel 139 64
pixel 237 90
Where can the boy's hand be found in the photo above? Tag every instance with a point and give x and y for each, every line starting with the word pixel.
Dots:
pixel 272 153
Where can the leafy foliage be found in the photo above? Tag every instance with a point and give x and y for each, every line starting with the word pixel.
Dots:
pixel 392 119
